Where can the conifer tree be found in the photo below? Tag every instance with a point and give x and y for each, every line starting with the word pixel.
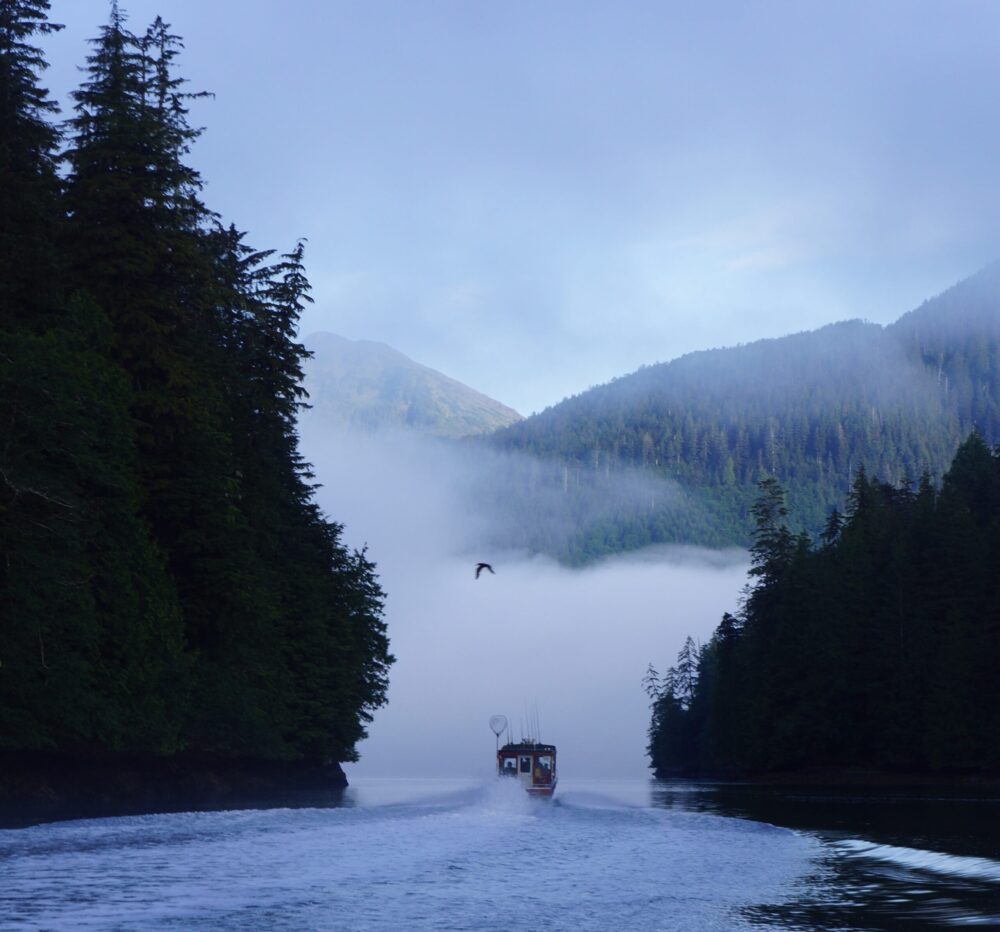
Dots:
pixel 29 208
pixel 684 676
pixel 134 238
pixel 772 543
pixel 720 699
pixel 167 581
pixel 136 243
pixel 89 627
pixel 878 649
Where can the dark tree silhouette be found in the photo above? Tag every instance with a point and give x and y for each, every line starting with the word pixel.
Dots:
pixel 877 649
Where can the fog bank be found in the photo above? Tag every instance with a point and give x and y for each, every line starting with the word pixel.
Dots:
pixel 571 643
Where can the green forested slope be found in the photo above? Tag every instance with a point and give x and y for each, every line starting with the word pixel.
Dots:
pixel 167 583
pixel 876 648
pixel 810 409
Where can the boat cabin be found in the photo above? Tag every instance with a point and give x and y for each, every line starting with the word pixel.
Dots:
pixel 532 765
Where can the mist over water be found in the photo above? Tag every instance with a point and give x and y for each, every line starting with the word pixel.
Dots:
pixel 537 638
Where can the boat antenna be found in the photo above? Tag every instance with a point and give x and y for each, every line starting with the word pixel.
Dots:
pixel 498 724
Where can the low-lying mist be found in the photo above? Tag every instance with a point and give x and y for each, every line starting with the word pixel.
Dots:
pixel 572 644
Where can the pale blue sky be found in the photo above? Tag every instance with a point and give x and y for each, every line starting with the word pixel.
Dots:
pixel 535 197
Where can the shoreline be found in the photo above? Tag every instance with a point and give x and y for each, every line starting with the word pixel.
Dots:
pixel 847 778
pixel 39 788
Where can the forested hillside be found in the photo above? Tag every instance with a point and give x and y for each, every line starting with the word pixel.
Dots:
pixel 360 385
pixel 810 409
pixel 876 648
pixel 167 583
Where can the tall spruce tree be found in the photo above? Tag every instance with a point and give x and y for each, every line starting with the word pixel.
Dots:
pixel 335 651
pixel 136 242
pixel 89 627
pixel 167 581
pixel 876 650
pixel 29 208
pixel 134 238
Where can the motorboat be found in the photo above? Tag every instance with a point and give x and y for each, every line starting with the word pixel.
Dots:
pixel 529 761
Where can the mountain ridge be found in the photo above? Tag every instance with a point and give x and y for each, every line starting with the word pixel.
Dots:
pixel 368 386
pixel 809 408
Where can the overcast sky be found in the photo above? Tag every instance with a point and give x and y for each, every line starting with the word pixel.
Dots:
pixel 535 197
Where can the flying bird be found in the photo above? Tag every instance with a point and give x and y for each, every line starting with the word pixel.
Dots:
pixel 483 566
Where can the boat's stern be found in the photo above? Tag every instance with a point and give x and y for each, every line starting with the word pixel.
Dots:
pixel 533 765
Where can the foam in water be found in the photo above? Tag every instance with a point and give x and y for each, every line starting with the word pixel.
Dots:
pixel 478 857
pixel 934 861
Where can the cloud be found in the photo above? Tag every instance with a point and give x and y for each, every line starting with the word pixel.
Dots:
pixel 571 643
pixel 622 189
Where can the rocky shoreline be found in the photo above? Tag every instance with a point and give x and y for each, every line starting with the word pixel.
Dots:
pixel 39 788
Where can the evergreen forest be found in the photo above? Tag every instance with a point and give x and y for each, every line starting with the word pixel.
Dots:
pixel 875 647
pixel 693 437
pixel 168 585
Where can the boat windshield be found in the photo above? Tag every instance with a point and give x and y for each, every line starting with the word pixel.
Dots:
pixel 543 769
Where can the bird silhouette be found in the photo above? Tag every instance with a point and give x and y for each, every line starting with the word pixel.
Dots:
pixel 483 566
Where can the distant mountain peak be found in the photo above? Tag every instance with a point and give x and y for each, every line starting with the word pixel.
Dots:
pixel 368 386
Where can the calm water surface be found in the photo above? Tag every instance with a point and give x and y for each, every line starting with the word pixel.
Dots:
pixel 425 854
